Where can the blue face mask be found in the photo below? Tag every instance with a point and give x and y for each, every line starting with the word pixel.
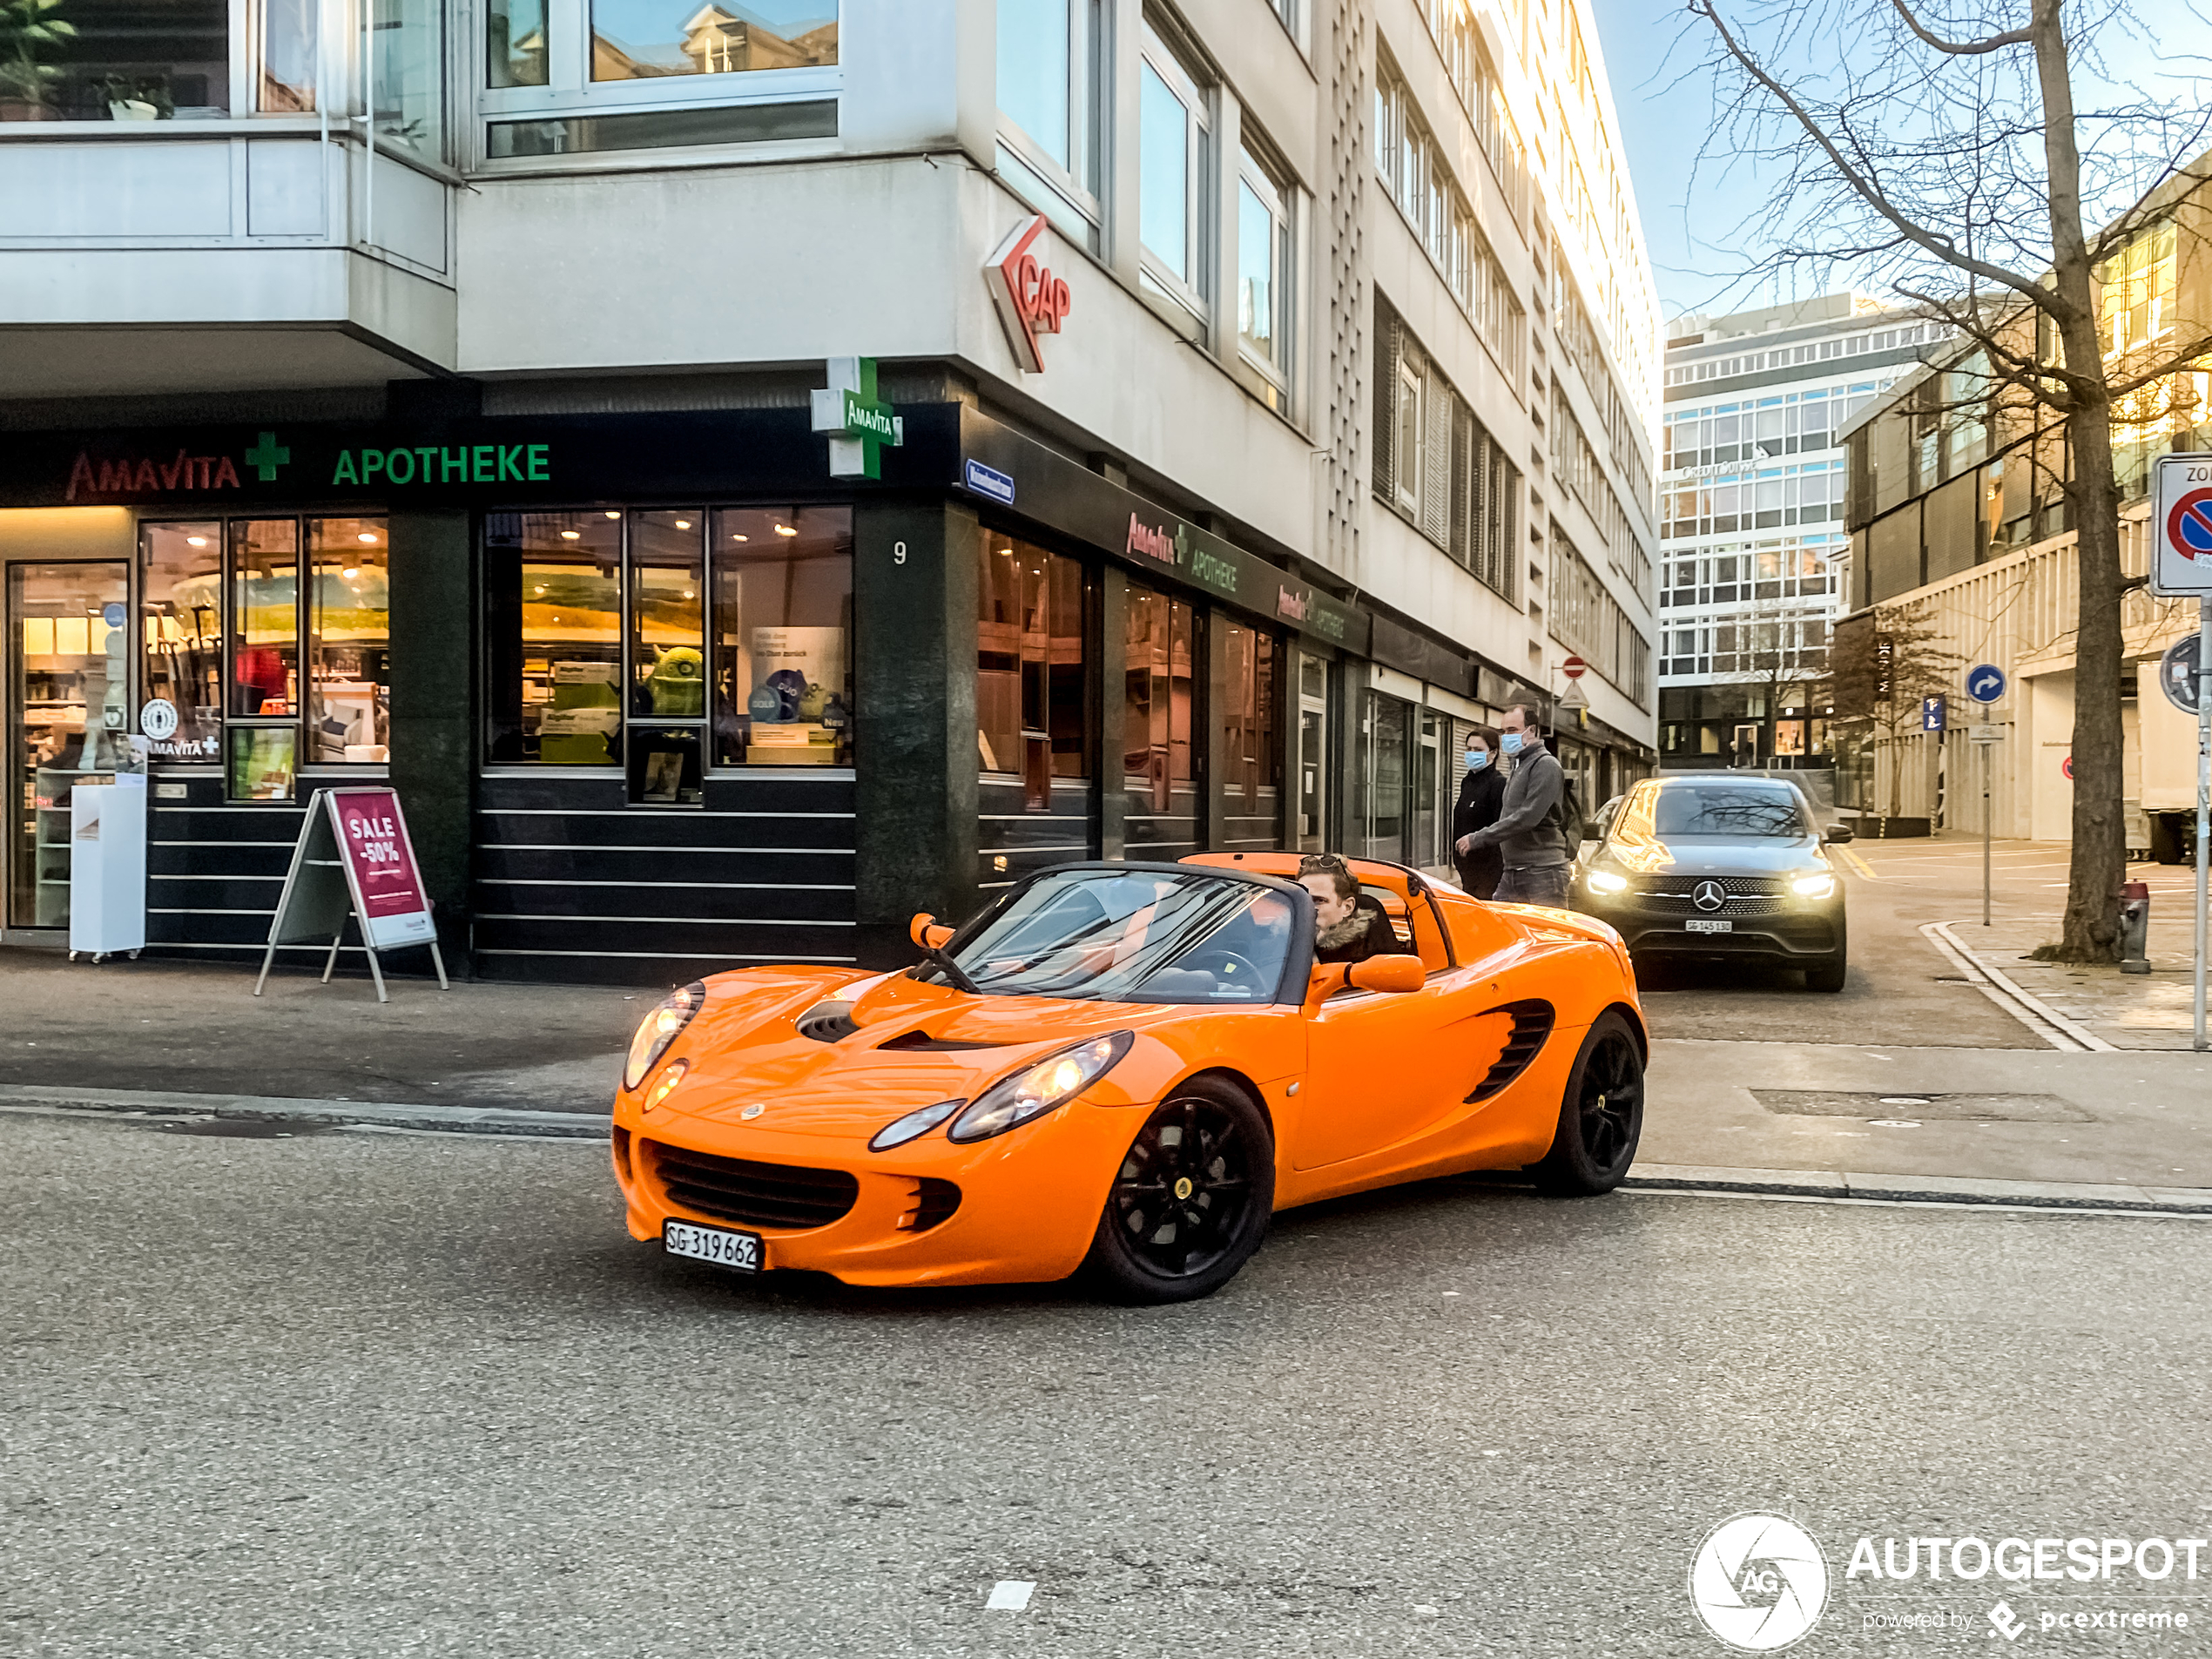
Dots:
pixel 1512 741
pixel 1477 758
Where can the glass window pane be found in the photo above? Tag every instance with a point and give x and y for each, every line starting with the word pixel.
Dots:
pixel 1033 72
pixel 181 633
pixel 133 60
pixel 783 637
pixel 1163 178
pixel 350 638
pixel 68 708
pixel 265 616
pixel 1162 821
pixel 515 43
pixel 668 614
pixel 408 75
pixel 1030 671
pixel 1255 271
pixel 564 640
pixel 263 763
pixel 1251 787
pixel 288 37
pixel 634 40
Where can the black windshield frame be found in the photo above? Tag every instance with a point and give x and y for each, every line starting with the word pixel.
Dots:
pixel 1298 960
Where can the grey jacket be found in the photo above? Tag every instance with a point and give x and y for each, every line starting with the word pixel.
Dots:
pixel 1527 833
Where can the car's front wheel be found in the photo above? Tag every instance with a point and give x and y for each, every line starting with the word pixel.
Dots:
pixel 1600 1119
pixel 1190 1200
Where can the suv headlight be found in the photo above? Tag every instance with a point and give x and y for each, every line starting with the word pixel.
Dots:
pixel 1813 886
pixel 1606 881
pixel 1030 1092
pixel 659 1029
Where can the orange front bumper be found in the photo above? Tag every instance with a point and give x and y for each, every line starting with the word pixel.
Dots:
pixel 1030 1199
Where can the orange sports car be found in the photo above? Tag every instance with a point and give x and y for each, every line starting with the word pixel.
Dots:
pixel 1125 1069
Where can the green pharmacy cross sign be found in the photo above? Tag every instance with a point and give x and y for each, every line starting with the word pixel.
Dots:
pixel 857 423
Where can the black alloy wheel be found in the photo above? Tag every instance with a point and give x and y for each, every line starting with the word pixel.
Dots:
pixel 1600 1119
pixel 1190 1199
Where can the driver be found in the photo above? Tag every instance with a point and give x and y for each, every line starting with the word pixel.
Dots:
pixel 1344 929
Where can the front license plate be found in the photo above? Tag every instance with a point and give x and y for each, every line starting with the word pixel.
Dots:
pixel 1706 925
pixel 721 1246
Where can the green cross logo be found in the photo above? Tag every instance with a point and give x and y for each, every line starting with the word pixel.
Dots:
pixel 266 457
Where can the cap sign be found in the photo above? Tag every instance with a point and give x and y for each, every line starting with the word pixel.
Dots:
pixel 1032 301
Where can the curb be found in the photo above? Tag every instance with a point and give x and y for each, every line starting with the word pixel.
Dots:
pixel 460 1120
pixel 2103 1198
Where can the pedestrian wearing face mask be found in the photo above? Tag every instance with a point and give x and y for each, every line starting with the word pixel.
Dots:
pixel 1482 797
pixel 1530 831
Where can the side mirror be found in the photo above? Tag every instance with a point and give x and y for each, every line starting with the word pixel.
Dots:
pixel 1388 973
pixel 927 932
pixel 1836 833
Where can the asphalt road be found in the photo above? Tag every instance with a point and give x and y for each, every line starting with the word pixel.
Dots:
pixel 358 1394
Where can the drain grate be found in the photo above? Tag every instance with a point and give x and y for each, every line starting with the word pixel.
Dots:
pixel 2009 1108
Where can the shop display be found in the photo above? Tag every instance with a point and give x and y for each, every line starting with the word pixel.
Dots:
pixel 581 724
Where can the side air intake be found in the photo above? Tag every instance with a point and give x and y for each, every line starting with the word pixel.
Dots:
pixel 1532 1024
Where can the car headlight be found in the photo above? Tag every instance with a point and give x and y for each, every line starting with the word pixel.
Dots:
pixel 659 1029
pixel 1813 886
pixel 1051 1082
pixel 666 1085
pixel 912 1125
pixel 1606 881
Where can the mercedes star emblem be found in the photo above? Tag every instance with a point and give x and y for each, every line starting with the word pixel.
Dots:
pixel 1709 895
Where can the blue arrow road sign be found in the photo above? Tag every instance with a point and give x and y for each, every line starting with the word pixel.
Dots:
pixel 1932 714
pixel 1986 683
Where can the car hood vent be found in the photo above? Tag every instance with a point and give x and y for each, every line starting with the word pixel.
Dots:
pixel 829 1021
pixel 922 1043
pixel 1532 1023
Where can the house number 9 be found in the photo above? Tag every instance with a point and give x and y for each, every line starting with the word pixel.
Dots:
pixel 898 552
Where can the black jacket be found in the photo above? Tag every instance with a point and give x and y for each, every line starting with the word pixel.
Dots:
pixel 1363 933
pixel 1482 797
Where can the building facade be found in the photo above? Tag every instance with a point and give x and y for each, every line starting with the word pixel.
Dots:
pixel 745 475
pixel 1963 538
pixel 1754 558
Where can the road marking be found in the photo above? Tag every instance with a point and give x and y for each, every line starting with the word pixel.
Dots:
pixel 1969 1205
pixel 1010 1595
pixel 1865 868
pixel 1998 987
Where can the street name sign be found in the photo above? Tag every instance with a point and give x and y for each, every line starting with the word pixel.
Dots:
pixel 2181 527
pixel 353 858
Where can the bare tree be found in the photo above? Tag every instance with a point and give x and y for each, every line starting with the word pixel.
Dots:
pixel 1884 668
pixel 1944 158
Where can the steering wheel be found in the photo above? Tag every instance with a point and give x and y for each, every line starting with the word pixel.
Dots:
pixel 1227 965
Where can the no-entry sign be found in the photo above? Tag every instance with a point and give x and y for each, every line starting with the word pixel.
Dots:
pixel 1574 668
pixel 2181 527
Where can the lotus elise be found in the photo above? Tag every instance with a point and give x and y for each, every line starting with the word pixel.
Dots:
pixel 1124 1070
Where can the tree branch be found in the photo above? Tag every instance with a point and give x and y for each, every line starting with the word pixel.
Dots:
pixel 1962 49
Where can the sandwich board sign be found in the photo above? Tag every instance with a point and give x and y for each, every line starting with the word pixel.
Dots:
pixel 353 858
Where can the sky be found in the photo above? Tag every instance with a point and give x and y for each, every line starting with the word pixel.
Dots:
pixel 1665 108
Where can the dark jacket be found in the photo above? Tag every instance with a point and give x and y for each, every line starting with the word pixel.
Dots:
pixel 1529 830
pixel 1363 933
pixel 1482 797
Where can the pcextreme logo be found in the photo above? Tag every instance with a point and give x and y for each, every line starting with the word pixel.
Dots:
pixel 1759 1582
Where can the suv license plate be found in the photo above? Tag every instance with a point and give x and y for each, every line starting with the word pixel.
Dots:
pixel 1708 925
pixel 720 1246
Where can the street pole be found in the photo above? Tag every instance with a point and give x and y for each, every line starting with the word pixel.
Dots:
pixel 1985 820
pixel 2203 790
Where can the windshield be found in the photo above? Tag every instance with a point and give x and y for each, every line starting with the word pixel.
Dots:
pixel 1727 809
pixel 1134 936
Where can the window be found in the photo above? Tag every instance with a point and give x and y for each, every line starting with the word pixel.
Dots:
pixel 270 639
pixel 1410 166
pixel 407 74
pixel 1251 784
pixel 286 50
pixel 1049 148
pixel 1264 263
pixel 1159 696
pixel 1171 216
pixel 1379 817
pixel 1409 443
pixel 605 75
pixel 598 631
pixel 1437 464
pixel 142 60
pixel 1030 671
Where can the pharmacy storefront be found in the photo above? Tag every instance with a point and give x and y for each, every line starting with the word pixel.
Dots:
pixel 662 695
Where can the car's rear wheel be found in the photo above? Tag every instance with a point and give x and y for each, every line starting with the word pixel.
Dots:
pixel 1190 1199
pixel 1600 1119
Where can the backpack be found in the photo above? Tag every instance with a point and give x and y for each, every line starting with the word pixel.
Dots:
pixel 1571 817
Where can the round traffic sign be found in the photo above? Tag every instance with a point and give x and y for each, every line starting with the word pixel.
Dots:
pixel 2189 526
pixel 2177 674
pixel 1574 667
pixel 2065 767
pixel 1986 683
